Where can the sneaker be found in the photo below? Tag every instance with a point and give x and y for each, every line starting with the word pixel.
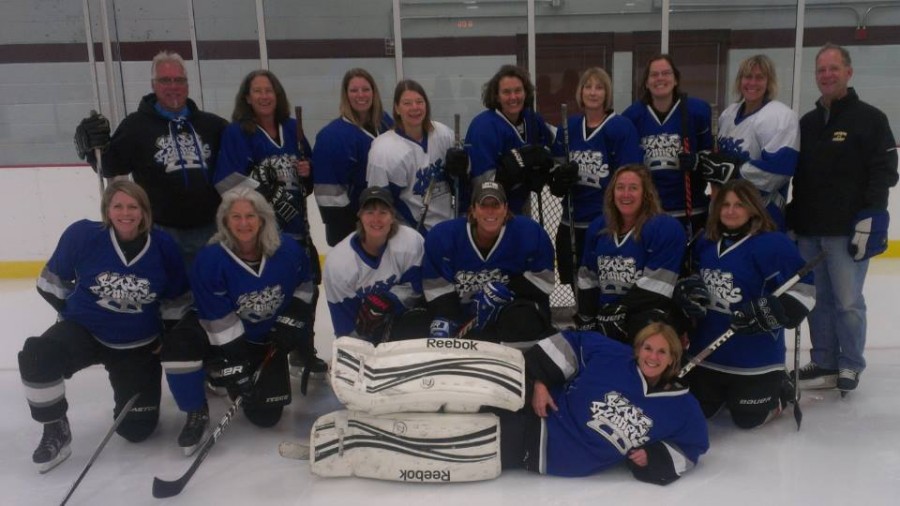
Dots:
pixel 54 446
pixel 298 361
pixel 194 428
pixel 813 377
pixel 847 380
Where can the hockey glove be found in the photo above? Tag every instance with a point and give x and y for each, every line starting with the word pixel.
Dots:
pixel 563 179
pixel 528 165
pixel 489 301
pixel 688 161
pixel 92 133
pixel 764 314
pixel 443 328
pixel 584 322
pixel 692 296
pixel 272 189
pixel 869 236
pixel 374 314
pixel 236 376
pixel 289 333
pixel 719 168
pixel 457 163
pixel 611 321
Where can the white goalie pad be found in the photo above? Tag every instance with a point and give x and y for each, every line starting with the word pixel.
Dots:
pixel 427 375
pixel 409 447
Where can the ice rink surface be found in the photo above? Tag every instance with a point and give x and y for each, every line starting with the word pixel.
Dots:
pixel 848 451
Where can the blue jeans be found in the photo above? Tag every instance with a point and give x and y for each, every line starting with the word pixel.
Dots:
pixel 190 240
pixel 837 324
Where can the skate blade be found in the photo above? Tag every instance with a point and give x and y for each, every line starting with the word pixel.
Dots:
pixel 63 454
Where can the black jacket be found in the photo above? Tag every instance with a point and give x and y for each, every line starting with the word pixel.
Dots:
pixel 847 164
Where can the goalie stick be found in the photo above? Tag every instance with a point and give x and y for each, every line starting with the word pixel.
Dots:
pixel 713 346
pixel 165 488
pixel 118 421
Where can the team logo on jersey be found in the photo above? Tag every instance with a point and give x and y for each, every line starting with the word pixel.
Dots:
pixel 617 274
pixel 592 169
pixel 469 282
pixel 661 151
pixel 260 305
pixel 122 294
pixel 285 168
pixel 620 422
pixel 722 292
pixel 184 145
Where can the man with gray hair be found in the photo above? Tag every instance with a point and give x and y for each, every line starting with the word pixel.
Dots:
pixel 169 147
pixel 848 163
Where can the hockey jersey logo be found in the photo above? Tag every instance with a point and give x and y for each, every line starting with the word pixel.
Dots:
pixel 260 305
pixel 424 176
pixel 617 274
pixel 661 151
pixel 183 150
pixel 469 282
pixel 620 422
pixel 722 292
pixel 122 294
pixel 592 169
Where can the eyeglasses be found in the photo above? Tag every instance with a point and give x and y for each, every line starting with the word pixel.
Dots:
pixel 181 81
pixel 664 73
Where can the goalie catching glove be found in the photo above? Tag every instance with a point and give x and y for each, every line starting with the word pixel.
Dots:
pixel 529 165
pixel 869 237
pixel 718 168
pixel 92 133
pixel 273 191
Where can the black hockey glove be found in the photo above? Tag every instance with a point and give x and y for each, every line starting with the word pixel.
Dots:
pixel 373 317
pixel 457 163
pixel 764 314
pixel 234 375
pixel 92 133
pixel 272 189
pixel 291 329
pixel 719 168
pixel 611 321
pixel 529 165
pixel 563 179
pixel 584 322
pixel 692 296
pixel 688 161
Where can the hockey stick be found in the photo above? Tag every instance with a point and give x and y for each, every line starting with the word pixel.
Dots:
pixel 426 202
pixel 298 112
pixel 116 422
pixel 459 145
pixel 165 488
pixel 570 205
pixel 688 188
pixel 713 346
pixel 798 415
pixel 98 154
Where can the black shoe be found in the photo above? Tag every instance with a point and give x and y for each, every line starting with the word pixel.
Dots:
pixel 848 380
pixel 54 446
pixel 194 428
pixel 813 377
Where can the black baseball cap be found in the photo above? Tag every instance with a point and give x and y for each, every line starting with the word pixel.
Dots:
pixel 490 189
pixel 376 193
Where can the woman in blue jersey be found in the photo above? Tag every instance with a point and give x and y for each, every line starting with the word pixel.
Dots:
pixel 599 142
pixel 597 403
pixel 112 283
pixel 758 139
pixel 673 128
pixel 253 292
pixel 342 153
pixel 410 160
pixel 509 142
pixel 631 260
pixel 260 149
pixel 742 260
pixel 373 278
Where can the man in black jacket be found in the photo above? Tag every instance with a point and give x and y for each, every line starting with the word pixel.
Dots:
pixel 848 162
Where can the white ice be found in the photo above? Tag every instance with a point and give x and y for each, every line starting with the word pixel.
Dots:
pixel 848 450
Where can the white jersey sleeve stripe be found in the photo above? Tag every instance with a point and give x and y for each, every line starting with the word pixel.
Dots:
pixel 224 330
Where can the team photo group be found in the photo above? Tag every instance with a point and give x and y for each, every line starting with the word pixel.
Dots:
pixel 689 251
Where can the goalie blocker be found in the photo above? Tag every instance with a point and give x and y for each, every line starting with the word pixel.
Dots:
pixel 427 375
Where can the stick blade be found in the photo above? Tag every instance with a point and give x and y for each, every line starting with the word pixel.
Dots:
pixel 798 415
pixel 164 488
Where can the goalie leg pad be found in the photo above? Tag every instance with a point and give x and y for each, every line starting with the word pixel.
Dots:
pixel 415 447
pixel 427 375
